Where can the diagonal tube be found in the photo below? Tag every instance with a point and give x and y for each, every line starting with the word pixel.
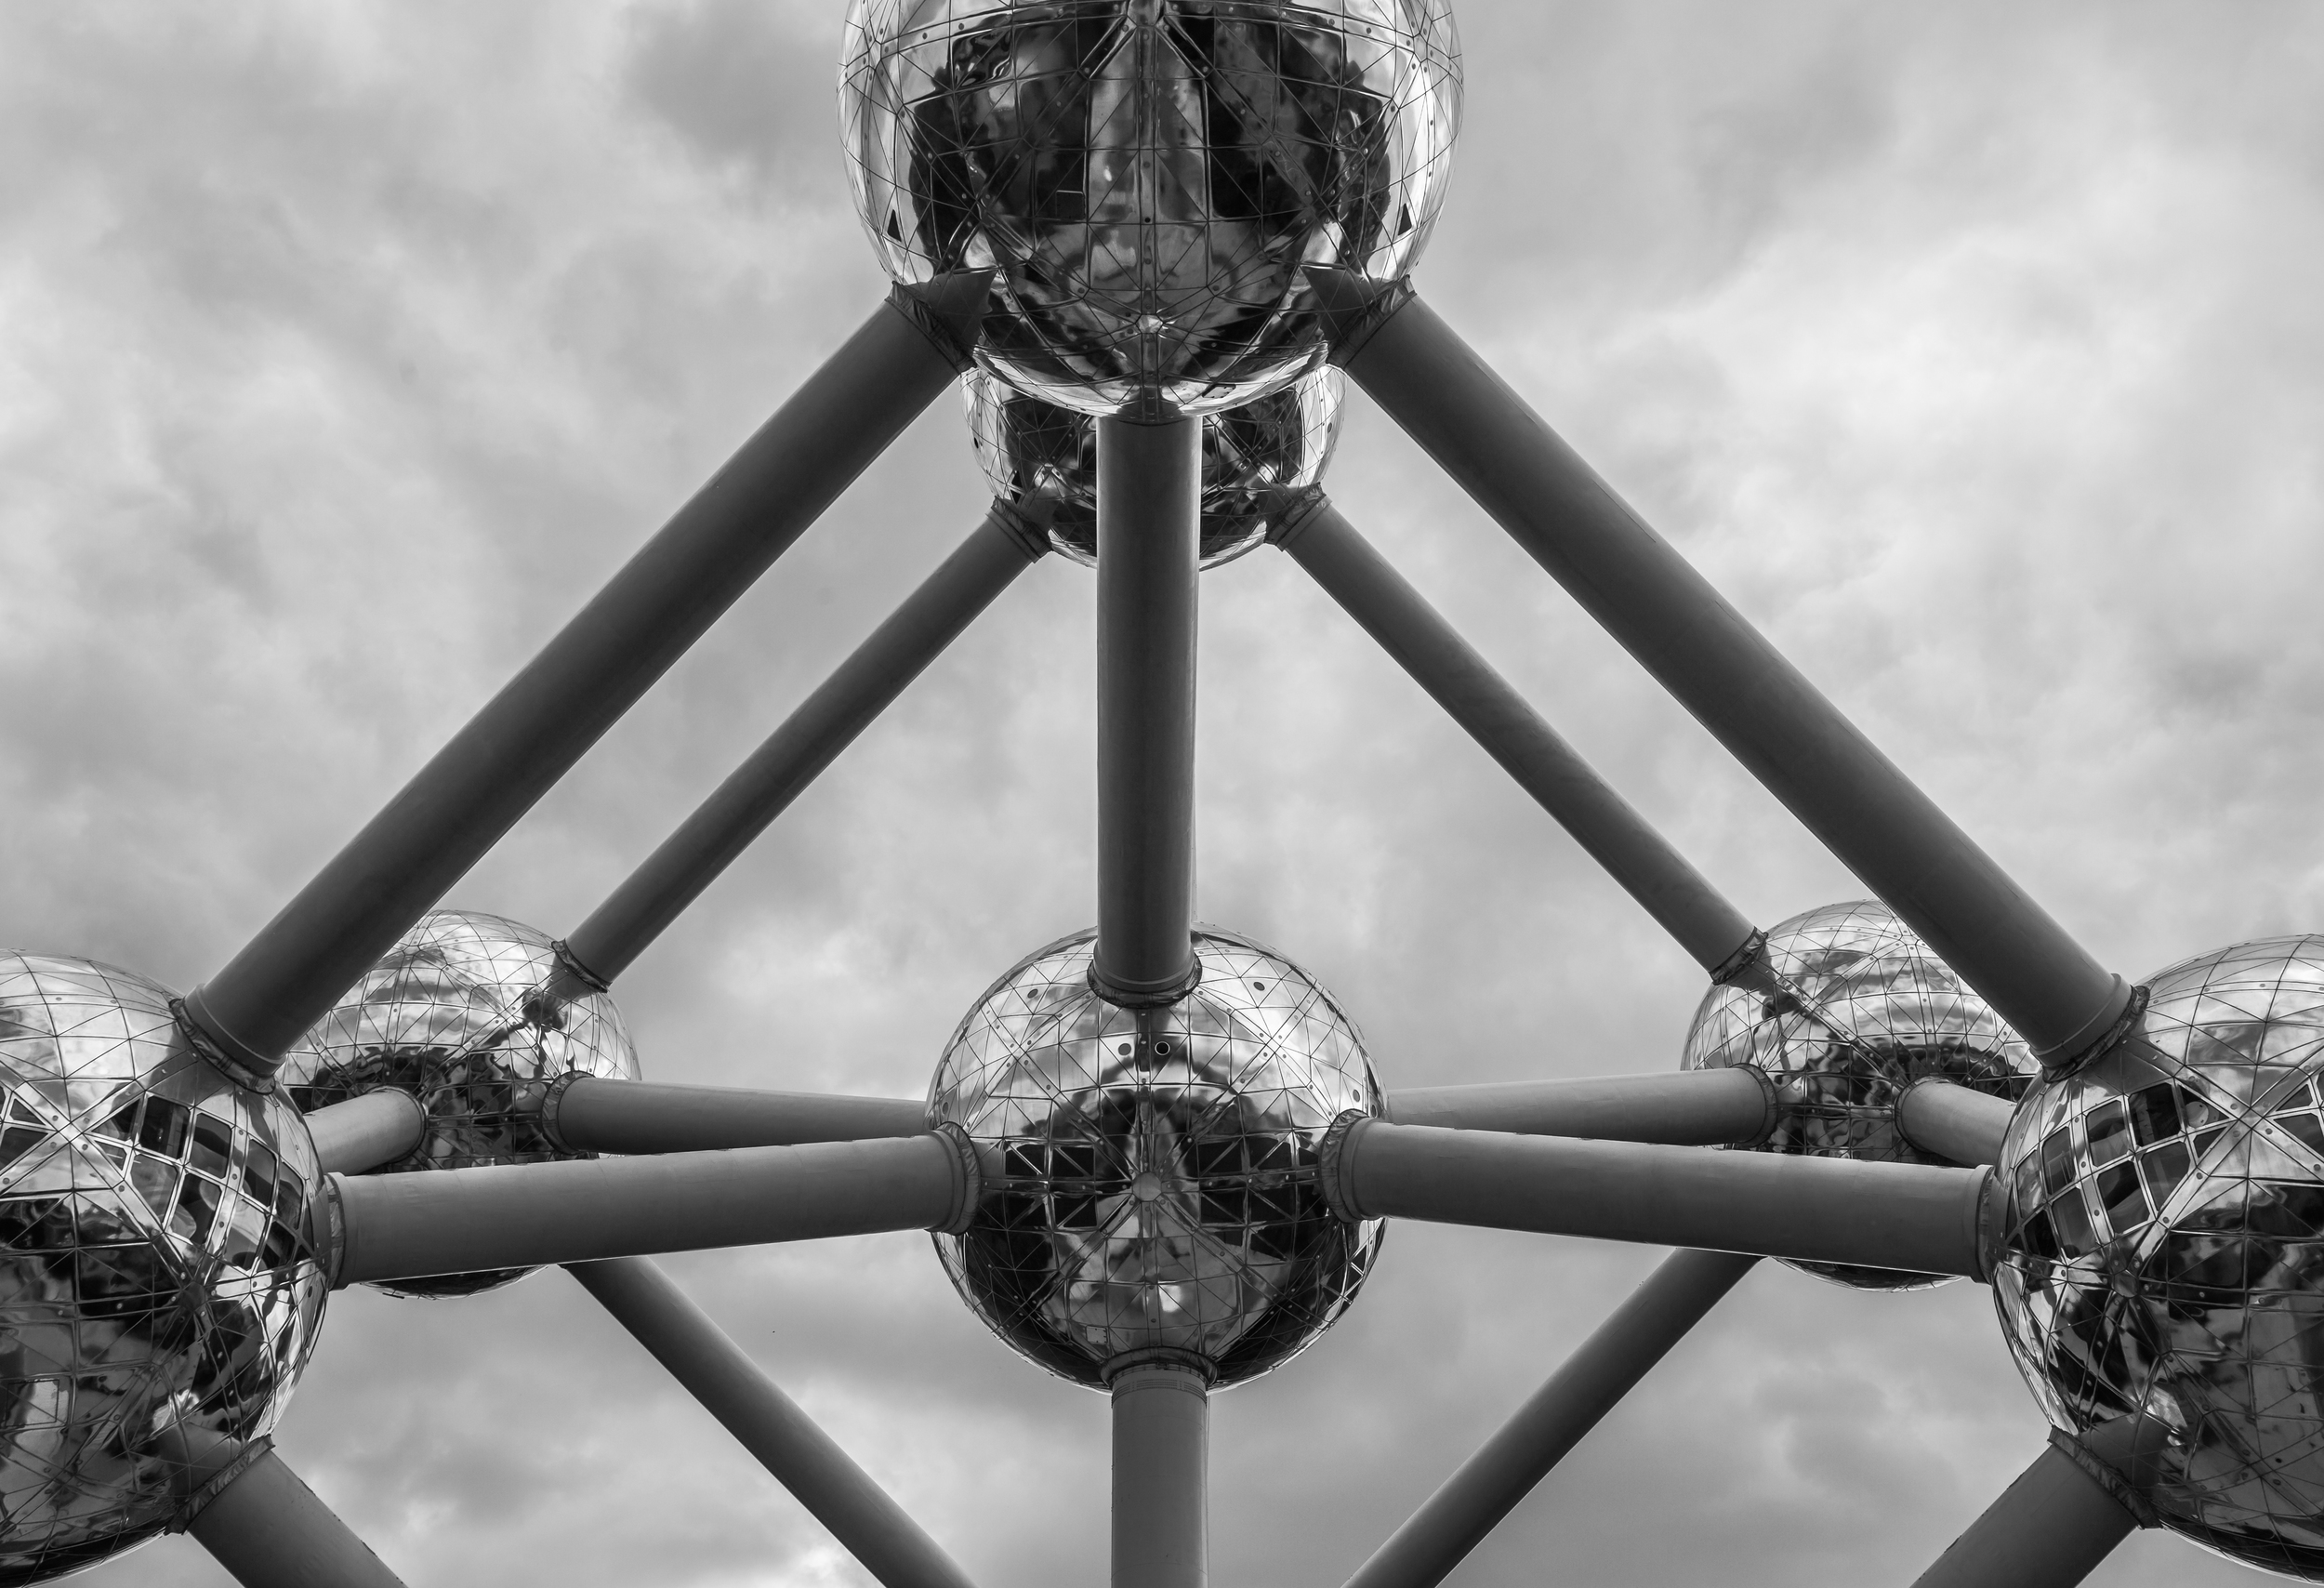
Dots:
pixel 587 1114
pixel 1488 1487
pixel 1723 1107
pixel 1161 1473
pixel 1149 520
pixel 1679 897
pixel 463 1220
pixel 866 1520
pixel 1918 1217
pixel 1757 704
pixel 968 581
pixel 526 737
pixel 2053 1526
pixel 264 1525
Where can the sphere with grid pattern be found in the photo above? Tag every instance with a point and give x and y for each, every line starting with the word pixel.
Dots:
pixel 1149 180
pixel 160 1276
pixel 455 1015
pixel 1864 1010
pixel 1258 461
pixel 1151 1174
pixel 2160 1249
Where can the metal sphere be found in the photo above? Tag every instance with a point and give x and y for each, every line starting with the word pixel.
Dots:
pixel 1149 179
pixel 1257 460
pixel 2161 1247
pixel 1868 1009
pixel 453 1014
pixel 160 1287
pixel 1151 1174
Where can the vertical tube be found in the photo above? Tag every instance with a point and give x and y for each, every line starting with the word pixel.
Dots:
pixel 809 740
pixel 1757 704
pixel 269 1531
pixel 863 1517
pixel 1680 898
pixel 525 738
pixel 2049 1529
pixel 1489 1484
pixel 1149 522
pixel 1161 1476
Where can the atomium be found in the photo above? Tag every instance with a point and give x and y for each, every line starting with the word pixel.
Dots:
pixel 1864 1010
pixel 1152 1187
pixel 1149 180
pixel 159 1277
pixel 456 1016
pixel 1258 461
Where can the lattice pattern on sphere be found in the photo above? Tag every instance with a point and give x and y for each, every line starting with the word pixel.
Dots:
pixel 2162 1252
pixel 158 1264
pixel 1149 177
pixel 454 1015
pixel 1152 1174
pixel 1257 460
pixel 1868 1010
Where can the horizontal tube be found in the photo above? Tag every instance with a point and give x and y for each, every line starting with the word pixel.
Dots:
pixel 1618 1353
pixel 1680 898
pixel 268 1530
pixel 1785 732
pixel 367 1131
pixel 810 739
pixel 460 1221
pixel 1921 1218
pixel 527 736
pixel 1952 1121
pixel 863 1517
pixel 588 1114
pixel 1718 1107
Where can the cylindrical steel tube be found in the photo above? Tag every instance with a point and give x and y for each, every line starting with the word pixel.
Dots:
pixel 1440 1533
pixel 868 1523
pixel 367 1131
pixel 461 1220
pixel 1149 524
pixel 825 723
pixel 1680 898
pixel 1681 1109
pixel 2049 1529
pixel 589 1114
pixel 525 738
pixel 1161 1476
pixel 1953 1121
pixel 269 1531
pixel 1793 739
pixel 1918 1217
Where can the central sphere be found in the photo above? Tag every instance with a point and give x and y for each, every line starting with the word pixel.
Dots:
pixel 160 1287
pixel 1150 1175
pixel 2161 1247
pixel 1149 180
pixel 1257 460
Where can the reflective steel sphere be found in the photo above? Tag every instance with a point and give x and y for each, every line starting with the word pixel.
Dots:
pixel 160 1287
pixel 2162 1247
pixel 454 1015
pixel 1149 179
pixel 1868 1009
pixel 1150 1174
pixel 1257 460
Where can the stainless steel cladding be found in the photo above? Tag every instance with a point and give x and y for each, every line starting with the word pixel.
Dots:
pixel 1151 1174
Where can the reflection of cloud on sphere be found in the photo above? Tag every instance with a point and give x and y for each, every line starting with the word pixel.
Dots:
pixel 452 1015
pixel 1151 1174
pixel 1148 179
pixel 160 1285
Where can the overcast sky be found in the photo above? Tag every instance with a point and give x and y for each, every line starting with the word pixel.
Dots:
pixel 1975 351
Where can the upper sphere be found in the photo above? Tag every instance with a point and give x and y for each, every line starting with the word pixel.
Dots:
pixel 453 1014
pixel 2161 1247
pixel 1868 1009
pixel 1151 1174
pixel 1149 179
pixel 1257 460
pixel 159 1288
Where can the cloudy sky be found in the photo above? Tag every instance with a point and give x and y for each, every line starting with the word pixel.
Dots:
pixel 1974 349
